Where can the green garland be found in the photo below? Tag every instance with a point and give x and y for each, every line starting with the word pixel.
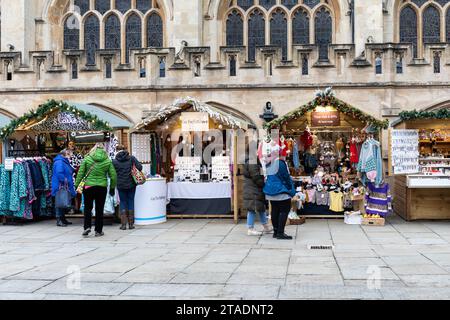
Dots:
pixel 415 115
pixel 49 107
pixel 324 101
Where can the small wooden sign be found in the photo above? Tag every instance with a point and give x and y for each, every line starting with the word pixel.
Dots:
pixel 326 119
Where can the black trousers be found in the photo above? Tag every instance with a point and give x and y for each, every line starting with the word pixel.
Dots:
pixel 97 194
pixel 279 215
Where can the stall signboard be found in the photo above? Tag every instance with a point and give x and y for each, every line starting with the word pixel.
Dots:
pixel 220 168
pixel 194 121
pixel 325 118
pixel 404 151
pixel 187 169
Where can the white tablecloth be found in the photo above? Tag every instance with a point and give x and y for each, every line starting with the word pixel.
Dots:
pixel 189 190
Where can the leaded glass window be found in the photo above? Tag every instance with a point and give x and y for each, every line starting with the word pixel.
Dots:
pixel 123 5
pixel 112 32
pixel 323 32
pixel 91 38
pixel 431 25
pixel 267 4
pixel 235 29
pixel 82 5
pixel 442 2
pixel 108 68
pixel 74 66
pixel 419 3
pixel 256 33
pixel 305 66
pixel 447 23
pixel 133 34
pixel 408 27
pixel 143 5
pixel 289 3
pixel 300 27
pixel 71 33
pixel 311 3
pixel 399 65
pixel 378 65
pixel 102 6
pixel 245 4
pixel 162 67
pixel 232 66
pixel 154 31
pixel 437 62
pixel 278 31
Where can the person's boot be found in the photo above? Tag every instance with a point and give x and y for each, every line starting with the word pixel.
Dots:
pixel 123 220
pixel 65 221
pixel 60 223
pixel 275 232
pixel 131 219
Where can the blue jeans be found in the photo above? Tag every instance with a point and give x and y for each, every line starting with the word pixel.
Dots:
pixel 127 199
pixel 251 219
pixel 60 212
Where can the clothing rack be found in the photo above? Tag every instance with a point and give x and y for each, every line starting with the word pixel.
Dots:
pixel 25 153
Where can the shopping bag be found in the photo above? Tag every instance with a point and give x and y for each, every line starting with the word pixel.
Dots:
pixel 138 177
pixel 63 199
pixel 109 205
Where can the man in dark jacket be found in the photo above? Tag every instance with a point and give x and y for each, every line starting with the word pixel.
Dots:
pixel 254 198
pixel 62 175
pixel 123 163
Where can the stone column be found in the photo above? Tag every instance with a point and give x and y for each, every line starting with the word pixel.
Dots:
pixel 368 23
pixel 187 23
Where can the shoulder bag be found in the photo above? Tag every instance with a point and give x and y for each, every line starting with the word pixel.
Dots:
pixel 138 176
pixel 82 184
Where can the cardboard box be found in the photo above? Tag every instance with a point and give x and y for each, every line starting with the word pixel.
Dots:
pixel 353 218
pixel 373 221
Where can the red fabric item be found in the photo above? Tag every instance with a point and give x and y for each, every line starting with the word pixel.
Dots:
pixel 283 148
pixel 354 156
pixel 306 139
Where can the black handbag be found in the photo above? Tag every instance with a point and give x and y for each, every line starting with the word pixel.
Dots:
pixel 63 198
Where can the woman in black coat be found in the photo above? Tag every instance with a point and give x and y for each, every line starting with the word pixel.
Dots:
pixel 254 198
pixel 123 163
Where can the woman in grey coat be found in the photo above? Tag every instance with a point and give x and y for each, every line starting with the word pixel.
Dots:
pixel 254 198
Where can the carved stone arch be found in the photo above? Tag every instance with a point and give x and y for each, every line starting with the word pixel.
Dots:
pixel 301 6
pixel 442 104
pixel 7 113
pixel 112 111
pixel 232 111
pixel 334 21
pixel 167 7
pixel 53 10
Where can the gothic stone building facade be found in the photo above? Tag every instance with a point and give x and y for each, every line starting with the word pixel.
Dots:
pixel 129 56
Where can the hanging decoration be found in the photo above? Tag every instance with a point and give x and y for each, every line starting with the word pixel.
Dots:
pixel 416 115
pixel 180 104
pixel 53 106
pixel 323 99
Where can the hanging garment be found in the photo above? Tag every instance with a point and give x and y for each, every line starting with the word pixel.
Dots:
pixel 354 155
pixel 295 156
pixel 154 165
pixel 378 200
pixel 18 197
pixel 336 201
pixel 322 198
pixel 370 161
pixel 311 195
pixel 348 203
pixel 5 191
pixel 310 161
pixel 307 139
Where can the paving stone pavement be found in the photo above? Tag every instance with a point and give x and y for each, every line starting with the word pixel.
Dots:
pixel 215 259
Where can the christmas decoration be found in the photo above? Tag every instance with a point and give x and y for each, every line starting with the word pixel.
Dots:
pixel 323 99
pixel 416 115
pixel 181 104
pixel 48 108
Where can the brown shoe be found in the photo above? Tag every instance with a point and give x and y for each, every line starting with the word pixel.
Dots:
pixel 123 220
pixel 131 220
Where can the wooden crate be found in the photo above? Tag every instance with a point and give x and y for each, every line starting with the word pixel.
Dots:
pixel 373 221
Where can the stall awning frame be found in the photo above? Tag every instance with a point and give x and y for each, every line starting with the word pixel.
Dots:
pixel 183 104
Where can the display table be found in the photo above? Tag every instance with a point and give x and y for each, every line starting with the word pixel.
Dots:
pixel 150 202
pixel 418 197
pixel 211 198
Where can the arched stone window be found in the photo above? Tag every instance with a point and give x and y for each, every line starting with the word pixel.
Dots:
pixel 431 25
pixel 143 5
pixel 408 27
pixel 245 4
pixel 267 4
pixel 300 27
pixel 311 3
pixel 289 3
pixel 133 32
pixel 112 32
pixel 323 24
pixel 155 31
pixel 91 38
pixel 235 29
pixel 447 23
pixel 256 32
pixel 71 33
pixel 278 31
pixel 102 6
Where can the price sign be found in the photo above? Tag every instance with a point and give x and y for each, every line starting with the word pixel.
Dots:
pixel 9 164
pixel 194 121
pixel 405 151
pixel 220 168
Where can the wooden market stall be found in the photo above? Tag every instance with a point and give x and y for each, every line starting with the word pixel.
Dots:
pixel 422 180
pixel 194 146
pixel 327 164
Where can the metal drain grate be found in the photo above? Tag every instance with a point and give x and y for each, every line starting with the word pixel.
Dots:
pixel 320 247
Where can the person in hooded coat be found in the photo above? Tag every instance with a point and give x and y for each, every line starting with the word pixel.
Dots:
pixel 62 175
pixel 123 163
pixel 96 168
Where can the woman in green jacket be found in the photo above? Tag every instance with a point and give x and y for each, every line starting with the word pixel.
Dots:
pixel 96 168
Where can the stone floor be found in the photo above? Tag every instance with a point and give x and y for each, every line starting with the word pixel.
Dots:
pixel 215 259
